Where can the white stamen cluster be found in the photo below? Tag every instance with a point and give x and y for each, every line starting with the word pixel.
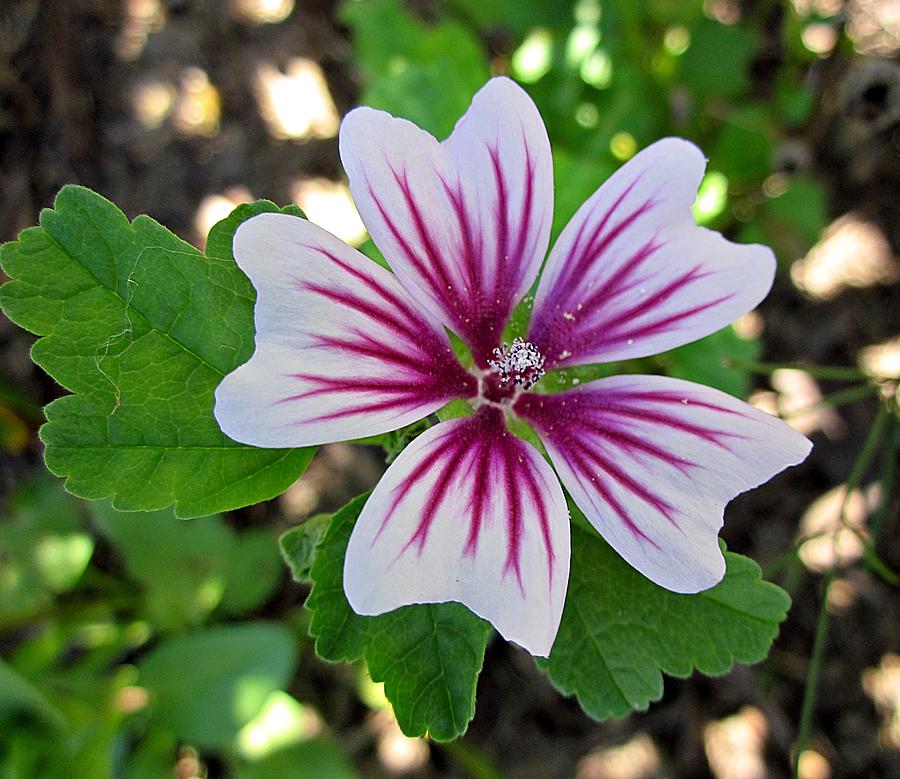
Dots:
pixel 519 362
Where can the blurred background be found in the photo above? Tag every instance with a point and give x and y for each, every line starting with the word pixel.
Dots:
pixel 138 645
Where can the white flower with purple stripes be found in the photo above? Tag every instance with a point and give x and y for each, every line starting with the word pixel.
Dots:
pixel 470 512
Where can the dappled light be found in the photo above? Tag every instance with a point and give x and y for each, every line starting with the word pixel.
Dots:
pixel 820 38
pixel 841 596
pixel 623 146
pixel 813 765
pixel 62 559
pixel 677 40
pixel 398 754
pixel 329 205
pixel 261 11
pixel 735 745
pixel 882 685
pixel 834 527
pixel 281 721
pixel 189 765
pixel 882 361
pixel 197 107
pixel 214 208
pixel 597 69
pixel 749 326
pixel 533 58
pixel 637 758
pixel 153 102
pixel 823 8
pixel 800 403
pixel 723 11
pixel 798 400
pixel 587 115
pixel 874 26
pixel 712 197
pixel 131 699
pixel 852 252
pixel 295 103
pixel 141 18
pixel 582 42
pixel 335 465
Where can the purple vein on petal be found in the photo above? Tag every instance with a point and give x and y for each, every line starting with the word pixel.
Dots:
pixel 479 456
pixel 424 366
pixel 590 428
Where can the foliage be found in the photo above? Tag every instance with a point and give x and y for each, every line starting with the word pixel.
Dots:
pixel 130 634
pixel 620 631
pixel 141 327
pixel 208 703
pixel 70 704
pixel 428 656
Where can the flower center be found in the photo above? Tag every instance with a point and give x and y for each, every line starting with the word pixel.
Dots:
pixel 516 366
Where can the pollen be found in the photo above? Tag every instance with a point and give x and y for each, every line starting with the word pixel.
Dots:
pixel 520 363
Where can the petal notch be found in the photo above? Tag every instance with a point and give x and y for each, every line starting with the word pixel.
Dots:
pixel 632 275
pixel 465 222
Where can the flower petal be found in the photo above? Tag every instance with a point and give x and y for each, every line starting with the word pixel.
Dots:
pixel 342 350
pixel 468 513
pixel 652 461
pixel 465 223
pixel 632 275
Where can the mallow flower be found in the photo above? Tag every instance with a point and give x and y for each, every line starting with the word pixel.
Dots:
pixel 469 511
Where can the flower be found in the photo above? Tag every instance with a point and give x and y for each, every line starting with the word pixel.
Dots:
pixel 469 511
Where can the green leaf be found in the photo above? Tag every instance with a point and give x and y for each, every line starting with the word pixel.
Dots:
pixel 428 656
pixel 181 564
pixel 18 694
pixel 517 16
pixel 298 545
pixel 718 59
pixel 620 631
pixel 340 633
pixel 189 568
pixel 575 179
pixel 221 234
pixel 802 208
pixel 44 548
pixel 151 757
pixel 743 149
pixel 426 74
pixel 252 571
pixel 141 327
pixel 707 361
pixel 318 758
pixel 206 685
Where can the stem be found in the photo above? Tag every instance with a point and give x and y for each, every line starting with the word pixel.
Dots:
pixel 878 566
pixel 865 456
pixel 812 676
pixel 887 479
pixel 832 372
pixel 839 398
pixel 471 759
pixel 881 426
pixel 786 558
pixel 820 641
pixel 70 608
